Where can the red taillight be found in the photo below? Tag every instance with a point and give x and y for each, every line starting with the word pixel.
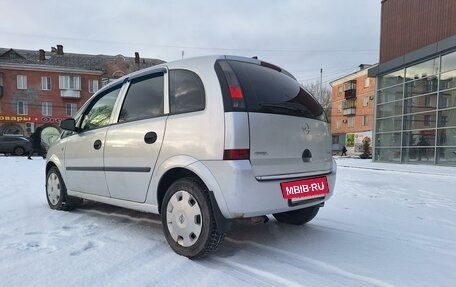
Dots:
pixel 236 154
pixel 234 87
pixel 236 93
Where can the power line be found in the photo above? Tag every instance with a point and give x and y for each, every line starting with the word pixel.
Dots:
pixel 194 47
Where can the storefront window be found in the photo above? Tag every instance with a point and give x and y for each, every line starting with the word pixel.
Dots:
pixel 420 104
pixel 421 86
pixel 389 124
pixel 422 70
pixel 388 140
pixel 420 121
pixel 448 80
pixel 446 137
pixel 389 109
pixel 390 94
pixel 391 79
pixel 449 62
pixel 388 154
pixel 416 114
pixel 447 118
pixel 417 138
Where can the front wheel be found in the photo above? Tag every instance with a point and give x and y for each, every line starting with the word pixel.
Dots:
pixel 188 219
pixel 299 216
pixel 56 191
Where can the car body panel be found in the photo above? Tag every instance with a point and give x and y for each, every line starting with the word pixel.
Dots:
pixel 278 144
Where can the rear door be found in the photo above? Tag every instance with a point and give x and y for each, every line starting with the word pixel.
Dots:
pixel 289 133
pixel 134 142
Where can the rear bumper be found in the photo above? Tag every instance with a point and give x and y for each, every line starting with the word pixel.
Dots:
pixel 244 196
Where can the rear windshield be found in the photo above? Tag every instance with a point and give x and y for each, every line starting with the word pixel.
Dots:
pixel 267 90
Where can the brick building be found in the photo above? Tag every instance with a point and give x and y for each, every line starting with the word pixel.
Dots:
pixel 415 108
pixel 40 88
pixel 352 111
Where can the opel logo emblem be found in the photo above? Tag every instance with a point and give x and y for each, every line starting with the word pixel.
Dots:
pixel 305 128
pixel 181 219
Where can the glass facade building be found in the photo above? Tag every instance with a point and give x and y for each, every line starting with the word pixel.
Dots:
pixel 415 113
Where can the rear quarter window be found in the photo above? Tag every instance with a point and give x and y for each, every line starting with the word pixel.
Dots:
pixel 186 92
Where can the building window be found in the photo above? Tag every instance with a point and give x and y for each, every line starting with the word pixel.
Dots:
pixel 46 109
pixel 443 102
pixel 338 124
pixel 70 83
pixel 46 83
pixel 71 109
pixel 366 101
pixel 93 86
pixel 22 108
pixel 365 120
pixel 427 120
pixel 21 82
pixel 427 101
pixel 443 121
pixel 366 83
pixel 340 91
pixel 351 122
pixel 339 108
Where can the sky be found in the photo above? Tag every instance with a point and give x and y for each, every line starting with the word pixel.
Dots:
pixel 302 36
pixel 386 225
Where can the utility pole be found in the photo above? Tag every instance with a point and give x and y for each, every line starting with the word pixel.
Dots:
pixel 321 83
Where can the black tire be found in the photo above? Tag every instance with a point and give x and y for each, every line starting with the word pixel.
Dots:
pixel 191 200
pixel 56 191
pixel 19 151
pixel 297 217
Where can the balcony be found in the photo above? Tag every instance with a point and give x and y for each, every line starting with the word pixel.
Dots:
pixel 350 89
pixel 349 111
pixel 70 94
pixel 349 107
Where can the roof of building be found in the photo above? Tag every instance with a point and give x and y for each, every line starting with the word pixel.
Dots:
pixel 363 69
pixel 55 58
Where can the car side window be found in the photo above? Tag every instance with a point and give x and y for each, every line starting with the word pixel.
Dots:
pixel 186 92
pixel 144 98
pixel 99 111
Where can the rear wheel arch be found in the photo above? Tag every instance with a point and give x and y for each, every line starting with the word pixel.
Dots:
pixel 169 178
pixel 177 173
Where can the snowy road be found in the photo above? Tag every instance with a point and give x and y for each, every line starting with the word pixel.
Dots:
pixel 383 227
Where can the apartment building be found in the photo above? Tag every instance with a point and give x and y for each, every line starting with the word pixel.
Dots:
pixel 352 111
pixel 40 88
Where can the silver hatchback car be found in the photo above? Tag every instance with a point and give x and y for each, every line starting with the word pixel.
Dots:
pixel 200 141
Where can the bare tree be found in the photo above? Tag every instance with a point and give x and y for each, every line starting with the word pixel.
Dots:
pixel 323 97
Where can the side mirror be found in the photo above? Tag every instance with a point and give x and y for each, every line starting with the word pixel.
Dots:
pixel 68 124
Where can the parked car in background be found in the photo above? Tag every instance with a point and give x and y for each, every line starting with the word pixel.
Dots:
pixel 200 141
pixel 14 145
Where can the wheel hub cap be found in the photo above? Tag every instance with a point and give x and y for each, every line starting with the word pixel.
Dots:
pixel 184 218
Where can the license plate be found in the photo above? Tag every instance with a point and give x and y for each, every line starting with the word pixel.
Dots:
pixel 305 188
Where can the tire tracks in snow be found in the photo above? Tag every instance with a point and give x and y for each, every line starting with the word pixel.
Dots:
pixel 311 270
pixel 414 239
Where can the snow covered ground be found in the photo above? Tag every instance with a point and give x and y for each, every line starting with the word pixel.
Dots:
pixel 387 225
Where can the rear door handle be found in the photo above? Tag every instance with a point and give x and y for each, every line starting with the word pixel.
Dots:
pixel 97 144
